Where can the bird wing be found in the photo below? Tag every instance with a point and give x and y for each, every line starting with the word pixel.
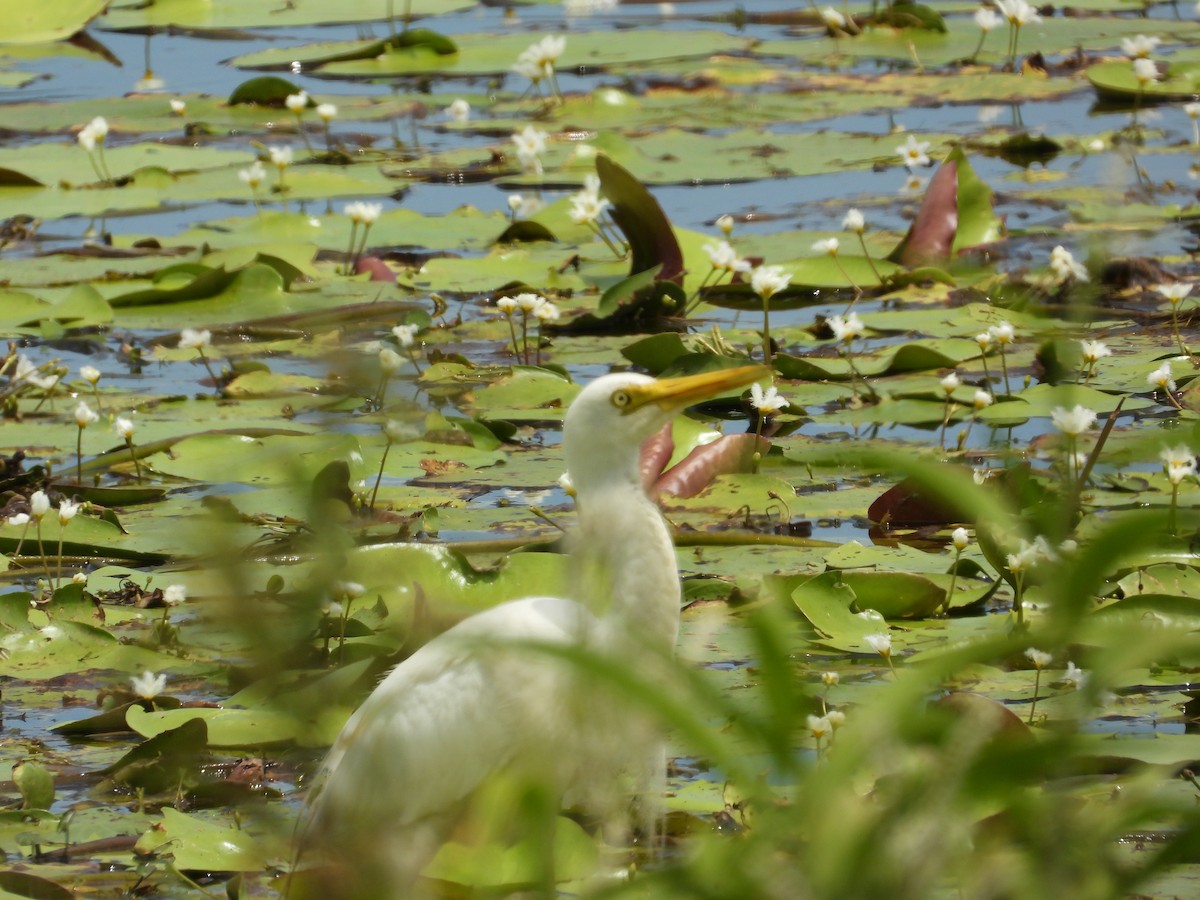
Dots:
pixel 441 722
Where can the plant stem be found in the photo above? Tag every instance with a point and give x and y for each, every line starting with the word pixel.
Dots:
pixel 953 581
pixel 766 332
pixel 862 241
pixel 379 477
pixel 1037 681
pixel 208 368
pixel 304 134
pixel 137 466
pixel 79 455
pixel 349 267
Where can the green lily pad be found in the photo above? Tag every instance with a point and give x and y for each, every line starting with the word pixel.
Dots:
pixel 1178 81
pixel 38 23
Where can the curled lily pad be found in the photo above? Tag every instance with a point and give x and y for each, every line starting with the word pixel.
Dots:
pixel 1117 80
pixel 266 90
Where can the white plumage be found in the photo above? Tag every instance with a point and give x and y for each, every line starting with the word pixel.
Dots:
pixel 478 700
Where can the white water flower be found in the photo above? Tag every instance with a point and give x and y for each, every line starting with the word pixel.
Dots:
pixel 846 328
pixel 986 19
pixel 880 643
pixel 253 175
pixel 123 427
pixel 982 400
pixel 192 338
pixel 1176 293
pixel 819 726
pixel 768 401
pixel 1029 555
pixel 1145 71
pixel 174 594
pixel 960 539
pixel 984 340
pixel 67 511
pixel 459 110
pixel 85 415
pixel 39 505
pixel 1039 658
pixel 830 679
pixel 1002 333
pixel 1065 265
pixel 148 685
pixel 724 257
pixel 27 371
pixel 951 383
pixel 90 374
pixel 530 143
pixel 1074 676
pixel 1094 351
pixel 767 281
pixel 327 112
pixel 93 133
pixel 297 103
pixel 1178 463
pixel 406 335
pixel 178 107
pixel 1018 12
pixel 829 246
pixel 832 18
pixel 1161 378
pixel 855 222
pixel 545 311
pixel 507 305
pixel 725 224
pixel 587 205
pixel 281 157
pixel 363 213
pixel 913 153
pixel 1074 421
pixel 1140 46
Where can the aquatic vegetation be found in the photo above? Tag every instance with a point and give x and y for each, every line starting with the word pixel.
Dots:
pixel 976 455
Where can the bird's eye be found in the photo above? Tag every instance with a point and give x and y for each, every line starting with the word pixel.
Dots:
pixel 621 399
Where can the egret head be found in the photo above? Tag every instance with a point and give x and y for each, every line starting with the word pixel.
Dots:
pixel 607 423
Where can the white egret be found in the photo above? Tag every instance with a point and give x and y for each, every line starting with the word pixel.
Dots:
pixel 478 701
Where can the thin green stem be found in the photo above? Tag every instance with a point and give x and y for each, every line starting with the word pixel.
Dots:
pixel 512 330
pixel 41 547
pixel 953 581
pixel 1175 328
pixel 379 477
pixel 58 568
pixel 862 242
pixel 694 300
pixel 348 269
pixel 1004 366
pixel 208 368
pixel 1037 682
pixel 768 355
pixel 137 466
pixel 79 455
pixel 304 133
pixel 1018 598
